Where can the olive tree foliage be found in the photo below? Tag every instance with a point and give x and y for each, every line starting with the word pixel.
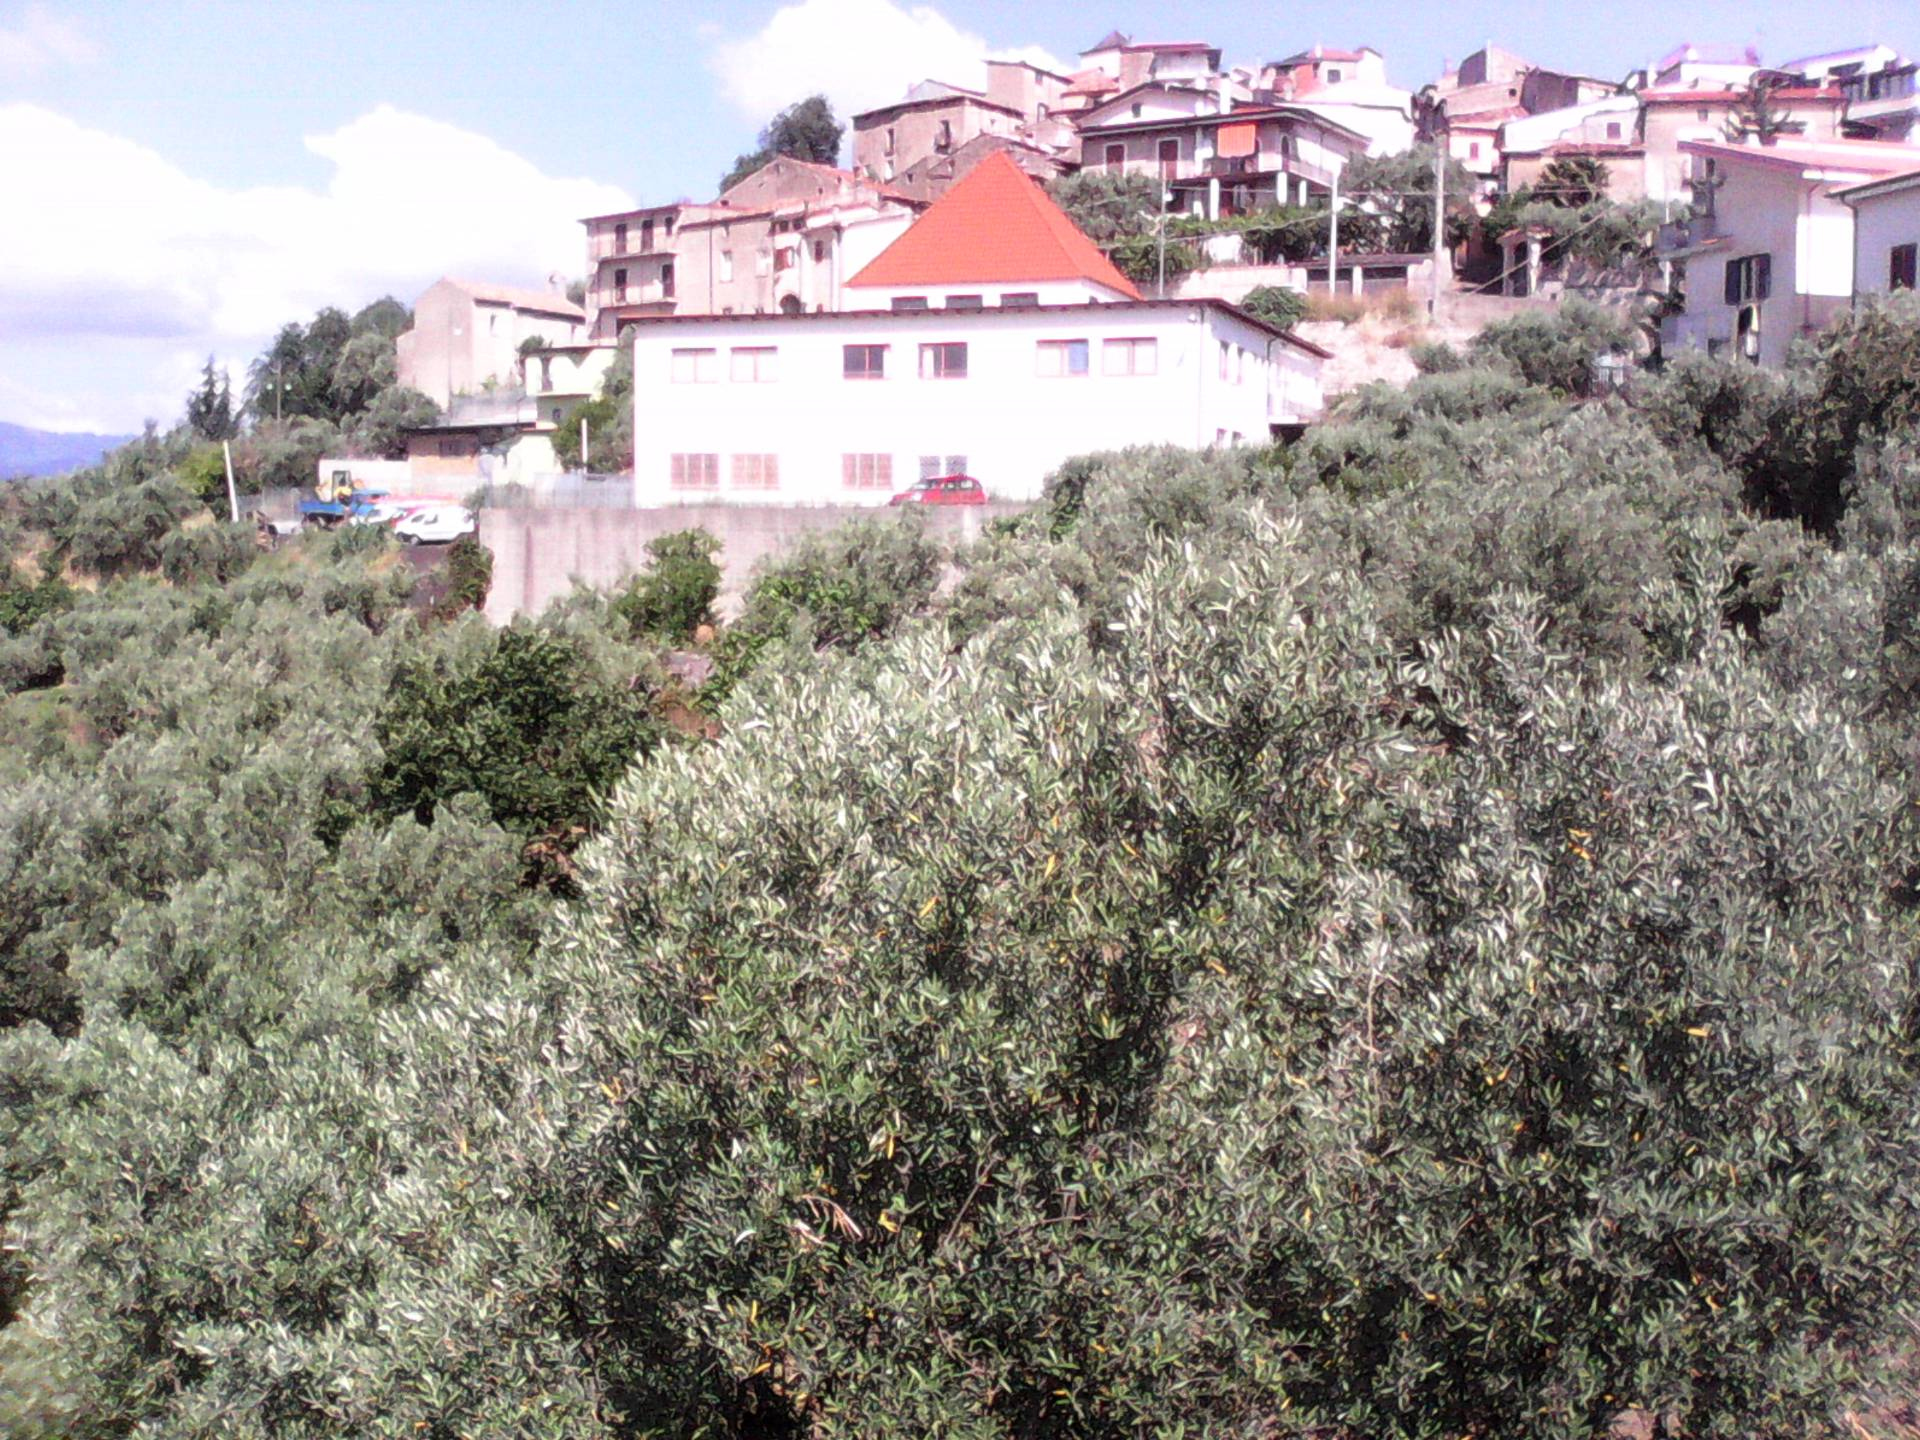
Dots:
pixel 1405 936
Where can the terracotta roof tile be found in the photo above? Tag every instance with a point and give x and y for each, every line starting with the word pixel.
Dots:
pixel 996 226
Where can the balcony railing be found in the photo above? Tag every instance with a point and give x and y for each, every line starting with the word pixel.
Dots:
pixel 612 247
pixel 650 292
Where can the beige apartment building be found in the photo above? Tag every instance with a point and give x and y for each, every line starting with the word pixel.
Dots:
pixel 630 266
pixel 466 336
pixel 781 241
pixel 934 119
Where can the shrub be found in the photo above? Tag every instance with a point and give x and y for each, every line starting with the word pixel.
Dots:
pixel 1436 357
pixel 468 574
pixel 23 603
pixel 1556 350
pixel 213 553
pixel 536 723
pixel 1276 304
pixel 836 588
pixel 674 596
pixel 121 530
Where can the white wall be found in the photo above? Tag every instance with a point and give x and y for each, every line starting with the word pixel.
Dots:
pixel 1012 424
pixel 1759 210
pixel 1884 222
pixel 992 293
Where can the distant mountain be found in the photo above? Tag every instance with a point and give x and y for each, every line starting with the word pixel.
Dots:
pixel 25 451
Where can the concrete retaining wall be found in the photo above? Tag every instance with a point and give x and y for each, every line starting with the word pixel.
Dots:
pixel 539 553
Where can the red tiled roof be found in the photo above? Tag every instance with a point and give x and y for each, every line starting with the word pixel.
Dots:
pixel 995 226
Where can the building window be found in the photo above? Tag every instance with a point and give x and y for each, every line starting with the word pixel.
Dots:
pixel 646 234
pixel 666 280
pixel 864 362
pixel 1749 279
pixel 963 302
pixel 1131 357
pixel 1056 358
pixel 943 362
pixel 1701 116
pixel 1169 151
pixel 889 140
pixel 943 142
pixel 755 365
pixel 1473 150
pixel 755 472
pixel 909 302
pixel 620 239
pixel 1116 157
pixel 1333 77
pixel 619 285
pixel 1613 130
pixel 785 257
pixel 820 250
pixel 1136 110
pixel 1902 263
pixel 1020 299
pixel 694 472
pixel 866 472
pixel 554 415
pixel 726 265
pixel 932 467
pixel 696 367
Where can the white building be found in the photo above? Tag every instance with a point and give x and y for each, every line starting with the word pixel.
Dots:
pixel 1000 343
pixel 1771 258
pixel 1886 233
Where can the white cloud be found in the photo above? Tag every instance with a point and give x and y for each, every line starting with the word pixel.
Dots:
pixel 41 41
pixel 859 53
pixel 134 264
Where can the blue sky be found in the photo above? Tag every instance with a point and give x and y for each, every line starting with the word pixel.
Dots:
pixel 192 173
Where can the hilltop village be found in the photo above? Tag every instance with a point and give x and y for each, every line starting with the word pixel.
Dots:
pixel 1002 277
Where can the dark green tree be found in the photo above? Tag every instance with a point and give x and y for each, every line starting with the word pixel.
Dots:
pixel 1573 181
pixel 1398 190
pixel 1276 304
pixel 385 316
pixel 673 597
pixel 1106 205
pixel 805 130
pixel 210 408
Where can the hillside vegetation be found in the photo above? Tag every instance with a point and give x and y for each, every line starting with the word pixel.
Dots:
pixel 1412 935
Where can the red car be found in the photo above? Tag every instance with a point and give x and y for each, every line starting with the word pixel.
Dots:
pixel 942 490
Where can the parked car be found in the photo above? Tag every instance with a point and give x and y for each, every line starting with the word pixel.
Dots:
pixel 439 526
pixel 942 490
pixel 387 512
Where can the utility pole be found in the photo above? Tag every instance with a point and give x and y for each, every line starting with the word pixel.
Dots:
pixel 1439 219
pixel 583 442
pixel 1333 235
pixel 233 495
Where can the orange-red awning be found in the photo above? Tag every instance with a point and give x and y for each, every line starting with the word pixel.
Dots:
pixel 1236 140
